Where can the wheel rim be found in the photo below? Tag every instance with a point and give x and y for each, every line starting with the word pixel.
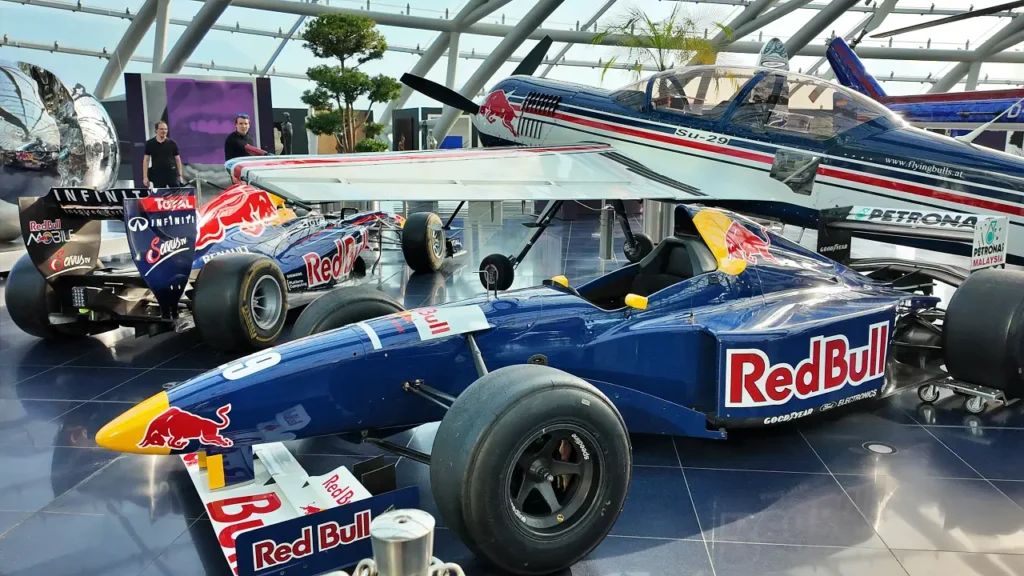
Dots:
pixel 631 249
pixel 436 241
pixel 491 275
pixel 553 479
pixel 266 302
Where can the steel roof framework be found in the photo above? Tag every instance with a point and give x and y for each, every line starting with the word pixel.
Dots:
pixel 754 15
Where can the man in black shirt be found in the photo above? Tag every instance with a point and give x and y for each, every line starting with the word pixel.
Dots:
pixel 239 143
pixel 165 171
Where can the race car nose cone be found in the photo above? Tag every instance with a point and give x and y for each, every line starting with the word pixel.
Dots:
pixel 126 433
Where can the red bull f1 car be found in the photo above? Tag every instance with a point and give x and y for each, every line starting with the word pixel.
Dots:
pixel 231 268
pixel 724 325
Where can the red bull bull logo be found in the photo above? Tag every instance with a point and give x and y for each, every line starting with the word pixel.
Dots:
pixel 241 206
pixel 742 244
pixel 497 108
pixel 175 428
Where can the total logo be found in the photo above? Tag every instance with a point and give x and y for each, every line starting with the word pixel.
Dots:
pixel 168 203
pixel 329 535
pixel 320 271
pixel 63 263
pixel 159 249
pixel 753 381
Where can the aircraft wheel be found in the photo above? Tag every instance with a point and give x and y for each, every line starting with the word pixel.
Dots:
pixel 928 393
pixel 530 467
pixel 983 330
pixel 30 300
pixel 342 307
pixel 639 248
pixel 423 242
pixel 240 302
pixel 497 272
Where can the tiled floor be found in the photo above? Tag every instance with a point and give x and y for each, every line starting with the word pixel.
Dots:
pixel 791 500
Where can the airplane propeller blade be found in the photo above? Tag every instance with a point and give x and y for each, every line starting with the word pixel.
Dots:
pixel 534 59
pixel 955 18
pixel 442 94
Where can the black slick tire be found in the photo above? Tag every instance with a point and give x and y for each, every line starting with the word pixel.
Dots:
pixel 983 331
pixel 224 298
pixel 30 300
pixel 341 307
pixel 497 272
pixel 422 247
pixel 478 459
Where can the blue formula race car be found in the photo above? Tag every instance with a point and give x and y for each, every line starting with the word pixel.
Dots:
pixel 232 268
pixel 724 325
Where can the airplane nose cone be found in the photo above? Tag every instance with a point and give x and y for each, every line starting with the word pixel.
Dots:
pixel 127 432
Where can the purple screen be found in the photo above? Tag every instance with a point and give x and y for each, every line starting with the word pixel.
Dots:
pixel 201 114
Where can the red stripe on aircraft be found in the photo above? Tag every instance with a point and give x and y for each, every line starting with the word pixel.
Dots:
pixel 954 96
pixel 425 155
pixel 921 191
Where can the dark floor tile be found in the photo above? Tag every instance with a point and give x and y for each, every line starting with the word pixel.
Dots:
pixel 33 477
pixel 771 560
pixel 144 352
pixel 928 563
pixel 67 383
pixel 86 545
pixel 938 514
pixel 146 384
pixel 11 518
pixel 653 450
pixel 78 426
pixel 657 506
pixel 777 508
pixel 987 450
pixel 1013 490
pixel 196 551
pixel 11 374
pixel 915 452
pixel 615 556
pixel 949 410
pixel 773 449
pixel 134 484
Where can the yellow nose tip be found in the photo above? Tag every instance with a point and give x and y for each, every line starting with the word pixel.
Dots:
pixel 126 432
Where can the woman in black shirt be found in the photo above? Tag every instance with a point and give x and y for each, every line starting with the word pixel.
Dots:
pixel 165 171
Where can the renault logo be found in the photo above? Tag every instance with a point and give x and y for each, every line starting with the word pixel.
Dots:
pixel 138 224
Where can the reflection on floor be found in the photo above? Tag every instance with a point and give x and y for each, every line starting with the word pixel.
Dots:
pixel 807 499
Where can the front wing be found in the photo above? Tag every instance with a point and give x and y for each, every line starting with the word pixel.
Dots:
pixel 287 520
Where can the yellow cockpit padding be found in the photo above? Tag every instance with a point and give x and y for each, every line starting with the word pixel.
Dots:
pixel 712 226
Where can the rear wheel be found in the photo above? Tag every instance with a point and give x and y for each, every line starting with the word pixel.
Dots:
pixel 30 300
pixel 423 242
pixel 983 331
pixel 240 303
pixel 342 307
pixel 530 467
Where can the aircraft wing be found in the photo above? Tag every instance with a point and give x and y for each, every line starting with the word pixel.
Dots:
pixel 578 172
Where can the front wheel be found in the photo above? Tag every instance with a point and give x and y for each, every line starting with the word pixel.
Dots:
pixel 423 242
pixel 497 272
pixel 531 467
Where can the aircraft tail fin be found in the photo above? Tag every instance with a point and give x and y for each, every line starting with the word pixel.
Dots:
pixel 850 71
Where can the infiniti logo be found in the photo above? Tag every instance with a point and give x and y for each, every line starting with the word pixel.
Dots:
pixel 138 224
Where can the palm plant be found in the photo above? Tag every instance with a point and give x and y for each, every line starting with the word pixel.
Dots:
pixel 663 44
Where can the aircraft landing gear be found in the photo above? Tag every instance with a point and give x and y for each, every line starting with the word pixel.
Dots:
pixel 637 246
pixel 497 271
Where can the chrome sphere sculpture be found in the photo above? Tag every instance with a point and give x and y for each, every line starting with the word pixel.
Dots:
pixel 50 135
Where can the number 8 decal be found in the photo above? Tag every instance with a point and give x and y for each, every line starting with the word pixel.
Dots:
pixel 252 365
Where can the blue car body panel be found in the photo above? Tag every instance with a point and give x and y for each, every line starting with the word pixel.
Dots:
pixel 665 367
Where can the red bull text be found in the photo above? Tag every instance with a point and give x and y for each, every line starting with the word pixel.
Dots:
pixel 751 380
pixel 329 535
pixel 320 271
pixel 175 428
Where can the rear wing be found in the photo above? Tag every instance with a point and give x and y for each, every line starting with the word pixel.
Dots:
pixel 63 232
pixel 982 238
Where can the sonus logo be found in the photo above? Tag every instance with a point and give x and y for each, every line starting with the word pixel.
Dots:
pixel 158 250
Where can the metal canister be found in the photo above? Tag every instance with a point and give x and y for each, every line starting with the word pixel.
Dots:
pixel 403 542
